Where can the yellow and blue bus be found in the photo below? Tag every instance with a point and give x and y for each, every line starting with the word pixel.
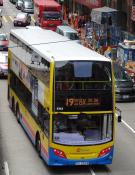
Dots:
pixel 63 95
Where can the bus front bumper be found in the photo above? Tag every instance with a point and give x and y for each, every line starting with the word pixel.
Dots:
pixel 57 161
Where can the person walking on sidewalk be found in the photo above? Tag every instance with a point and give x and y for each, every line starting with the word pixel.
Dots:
pixel 69 18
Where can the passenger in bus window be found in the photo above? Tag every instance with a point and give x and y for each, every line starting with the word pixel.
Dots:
pixel 68 82
pixel 65 82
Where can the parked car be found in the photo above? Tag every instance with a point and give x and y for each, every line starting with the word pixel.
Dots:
pixel 4 42
pixel 69 32
pixel 1 2
pixel 19 4
pixel 27 6
pixel 3 63
pixel 125 90
pixel 22 19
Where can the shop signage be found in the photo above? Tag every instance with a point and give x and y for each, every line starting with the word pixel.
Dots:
pixel 133 13
pixel 90 3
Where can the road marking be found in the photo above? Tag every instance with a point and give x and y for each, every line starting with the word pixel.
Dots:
pixel 4 18
pixel 92 172
pixel 6 168
pixel 127 125
pixel 11 18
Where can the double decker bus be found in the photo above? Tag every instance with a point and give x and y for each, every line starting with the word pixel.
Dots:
pixel 63 95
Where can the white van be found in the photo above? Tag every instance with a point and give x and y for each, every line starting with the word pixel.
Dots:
pixel 69 32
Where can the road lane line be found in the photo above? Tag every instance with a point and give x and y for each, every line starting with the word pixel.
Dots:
pixel 11 18
pixel 127 125
pixel 4 18
pixel 6 168
pixel 92 172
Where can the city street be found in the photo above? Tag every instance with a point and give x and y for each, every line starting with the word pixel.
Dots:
pixel 18 153
pixel 8 13
pixel 21 156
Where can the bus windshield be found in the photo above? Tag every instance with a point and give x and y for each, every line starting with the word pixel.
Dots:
pixel 50 15
pixel 72 36
pixel 83 129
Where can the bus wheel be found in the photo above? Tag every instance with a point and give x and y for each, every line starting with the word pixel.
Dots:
pixel 13 105
pixel 38 144
pixel 18 114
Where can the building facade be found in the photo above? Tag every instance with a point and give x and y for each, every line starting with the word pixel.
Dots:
pixel 82 7
pixel 126 10
pixel 126 17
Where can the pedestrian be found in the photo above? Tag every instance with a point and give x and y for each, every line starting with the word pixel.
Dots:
pixel 76 22
pixel 79 23
pixel 108 52
pixel 69 18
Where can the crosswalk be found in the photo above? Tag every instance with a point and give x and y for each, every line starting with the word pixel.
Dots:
pixel 7 19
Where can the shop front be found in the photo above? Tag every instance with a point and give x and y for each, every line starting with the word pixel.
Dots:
pixel 82 6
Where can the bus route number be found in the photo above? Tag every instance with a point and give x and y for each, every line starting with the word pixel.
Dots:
pixel 82 102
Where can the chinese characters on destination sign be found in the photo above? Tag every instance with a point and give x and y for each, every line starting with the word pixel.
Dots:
pixel 82 102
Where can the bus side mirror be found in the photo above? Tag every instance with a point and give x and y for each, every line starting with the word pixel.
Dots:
pixel 119 118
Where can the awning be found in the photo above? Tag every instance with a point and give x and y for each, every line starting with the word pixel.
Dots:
pixel 90 3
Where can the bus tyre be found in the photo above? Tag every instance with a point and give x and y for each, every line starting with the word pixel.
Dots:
pixel 18 114
pixel 38 145
pixel 13 105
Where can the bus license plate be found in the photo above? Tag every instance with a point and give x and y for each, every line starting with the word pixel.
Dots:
pixel 82 163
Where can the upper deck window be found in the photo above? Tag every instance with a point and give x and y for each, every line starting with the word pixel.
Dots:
pixel 82 73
